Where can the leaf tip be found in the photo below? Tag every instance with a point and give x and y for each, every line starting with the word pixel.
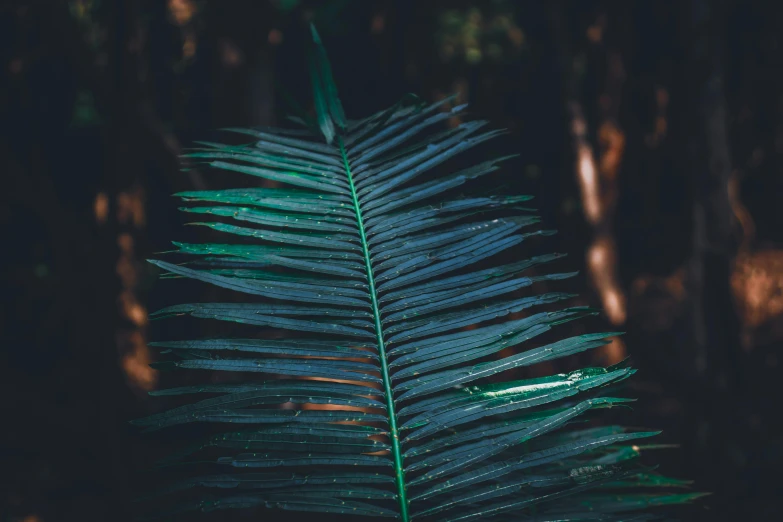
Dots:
pixel 314 33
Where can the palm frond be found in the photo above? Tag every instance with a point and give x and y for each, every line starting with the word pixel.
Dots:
pixel 397 313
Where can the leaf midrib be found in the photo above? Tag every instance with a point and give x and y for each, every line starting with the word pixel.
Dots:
pixel 393 432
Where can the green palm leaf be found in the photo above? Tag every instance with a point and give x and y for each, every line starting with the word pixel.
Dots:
pixel 377 399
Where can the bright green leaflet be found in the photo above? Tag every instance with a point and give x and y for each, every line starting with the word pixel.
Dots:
pixel 380 271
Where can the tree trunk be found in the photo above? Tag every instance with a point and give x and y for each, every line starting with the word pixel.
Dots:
pixel 713 336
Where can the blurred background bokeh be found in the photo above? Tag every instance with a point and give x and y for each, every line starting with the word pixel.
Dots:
pixel 650 132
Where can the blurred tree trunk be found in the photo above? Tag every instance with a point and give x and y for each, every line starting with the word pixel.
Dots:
pixel 712 340
pixel 596 175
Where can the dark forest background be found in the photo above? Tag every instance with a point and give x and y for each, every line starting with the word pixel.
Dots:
pixel 650 132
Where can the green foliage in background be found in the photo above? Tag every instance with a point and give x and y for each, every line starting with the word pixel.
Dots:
pixel 474 35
